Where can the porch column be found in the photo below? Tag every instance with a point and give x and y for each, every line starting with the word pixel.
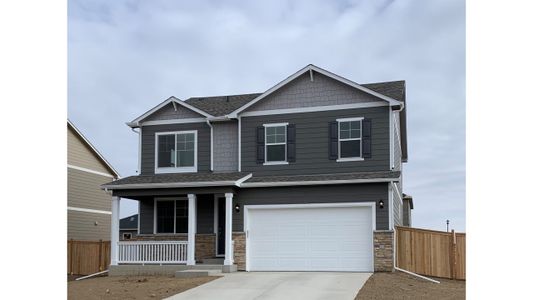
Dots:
pixel 228 260
pixel 191 235
pixel 115 221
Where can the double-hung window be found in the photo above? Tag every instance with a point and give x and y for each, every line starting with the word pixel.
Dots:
pixel 171 216
pixel 176 152
pixel 276 143
pixel 350 139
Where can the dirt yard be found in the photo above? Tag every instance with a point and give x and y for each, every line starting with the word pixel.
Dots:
pixel 135 287
pixel 399 285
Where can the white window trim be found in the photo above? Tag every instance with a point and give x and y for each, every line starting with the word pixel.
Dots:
pixel 164 170
pixel 174 199
pixel 277 162
pixel 360 157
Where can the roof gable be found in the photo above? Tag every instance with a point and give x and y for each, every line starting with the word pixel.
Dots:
pixel 173 101
pixel 312 69
pixel 88 149
pixel 172 111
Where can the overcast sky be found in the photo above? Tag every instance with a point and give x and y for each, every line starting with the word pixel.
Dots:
pixel 127 56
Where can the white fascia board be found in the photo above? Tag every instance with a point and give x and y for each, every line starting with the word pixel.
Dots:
pixel 312 68
pixel 173 121
pixel 312 109
pixel 117 175
pixel 167 185
pixel 314 182
pixel 172 99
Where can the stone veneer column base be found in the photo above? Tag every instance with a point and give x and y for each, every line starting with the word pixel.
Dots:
pixel 239 250
pixel 383 251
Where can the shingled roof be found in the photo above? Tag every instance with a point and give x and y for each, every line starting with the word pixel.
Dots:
pixel 223 105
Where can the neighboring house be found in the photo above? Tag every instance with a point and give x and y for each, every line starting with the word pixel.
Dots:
pixel 128 227
pixel 88 206
pixel 306 176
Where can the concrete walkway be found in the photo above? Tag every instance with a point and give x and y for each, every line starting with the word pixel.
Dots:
pixel 279 285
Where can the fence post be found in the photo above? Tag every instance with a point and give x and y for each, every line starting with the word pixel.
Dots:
pixel 453 261
pixel 100 256
pixel 71 256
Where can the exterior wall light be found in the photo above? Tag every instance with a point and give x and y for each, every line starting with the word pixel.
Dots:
pixel 381 203
pixel 237 207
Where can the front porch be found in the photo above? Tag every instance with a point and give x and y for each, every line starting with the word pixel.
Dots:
pixel 176 232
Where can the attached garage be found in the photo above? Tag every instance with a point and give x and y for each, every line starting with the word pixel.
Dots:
pixel 310 237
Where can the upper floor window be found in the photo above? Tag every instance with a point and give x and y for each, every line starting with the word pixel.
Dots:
pixel 350 139
pixel 276 143
pixel 176 152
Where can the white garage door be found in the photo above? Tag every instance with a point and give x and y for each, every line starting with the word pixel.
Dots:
pixel 310 238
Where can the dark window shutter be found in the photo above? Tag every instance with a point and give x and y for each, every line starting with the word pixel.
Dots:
pixel 367 138
pixel 291 143
pixel 260 144
pixel 333 140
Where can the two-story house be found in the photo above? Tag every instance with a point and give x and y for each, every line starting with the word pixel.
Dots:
pixel 306 176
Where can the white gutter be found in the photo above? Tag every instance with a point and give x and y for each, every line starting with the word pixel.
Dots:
pixel 167 185
pixel 314 182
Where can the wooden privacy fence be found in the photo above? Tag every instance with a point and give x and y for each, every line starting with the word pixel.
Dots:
pixel 87 257
pixel 431 253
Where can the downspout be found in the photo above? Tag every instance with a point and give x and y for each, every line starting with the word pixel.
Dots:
pixel 239 142
pixel 211 142
pixel 140 148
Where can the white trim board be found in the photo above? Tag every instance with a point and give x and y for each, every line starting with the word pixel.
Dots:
pixel 89 171
pixel 238 183
pixel 312 68
pixel 88 210
pixel 311 109
pixel 314 182
pixel 117 175
pixel 173 121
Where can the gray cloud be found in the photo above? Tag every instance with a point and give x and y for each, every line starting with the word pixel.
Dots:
pixel 127 56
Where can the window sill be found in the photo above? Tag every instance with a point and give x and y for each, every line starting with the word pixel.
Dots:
pixel 273 163
pixel 176 170
pixel 350 159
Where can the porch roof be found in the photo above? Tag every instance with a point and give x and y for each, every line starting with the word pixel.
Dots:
pixel 318 179
pixel 178 180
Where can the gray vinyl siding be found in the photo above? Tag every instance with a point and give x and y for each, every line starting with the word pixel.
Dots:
pixel 83 190
pixel 168 112
pixel 225 153
pixel 397 205
pixel 88 226
pixel 204 214
pixel 148 145
pixel 397 145
pixel 372 192
pixel 406 214
pixel 322 91
pixel 312 142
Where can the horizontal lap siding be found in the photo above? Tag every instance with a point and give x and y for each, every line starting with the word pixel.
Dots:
pixel 148 145
pixel 312 143
pixel 88 226
pixel 83 190
pixel 372 192
pixel 81 155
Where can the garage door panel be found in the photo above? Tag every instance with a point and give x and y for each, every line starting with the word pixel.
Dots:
pixel 310 239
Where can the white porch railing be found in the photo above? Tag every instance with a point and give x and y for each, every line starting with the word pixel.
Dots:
pixel 155 252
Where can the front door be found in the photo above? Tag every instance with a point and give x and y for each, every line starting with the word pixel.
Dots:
pixel 221 230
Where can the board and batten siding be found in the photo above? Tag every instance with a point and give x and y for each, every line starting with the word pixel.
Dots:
pixel 79 154
pixel 369 192
pixel 204 214
pixel 148 145
pixel 225 153
pixel 312 143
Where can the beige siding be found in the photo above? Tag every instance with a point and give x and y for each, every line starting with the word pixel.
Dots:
pixel 81 155
pixel 84 190
pixel 81 226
